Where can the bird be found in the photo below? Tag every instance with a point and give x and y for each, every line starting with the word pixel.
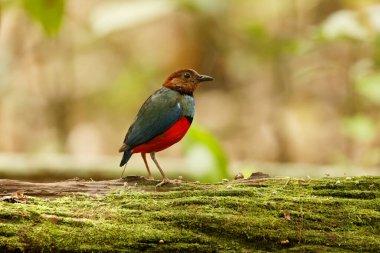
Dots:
pixel 163 119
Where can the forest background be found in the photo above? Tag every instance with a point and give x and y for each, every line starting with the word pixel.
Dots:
pixel 297 85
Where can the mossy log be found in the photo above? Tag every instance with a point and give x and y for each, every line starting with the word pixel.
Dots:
pixel 248 215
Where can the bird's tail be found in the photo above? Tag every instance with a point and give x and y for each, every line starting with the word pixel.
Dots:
pixel 127 154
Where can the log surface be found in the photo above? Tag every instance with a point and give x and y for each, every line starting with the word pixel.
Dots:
pixel 245 215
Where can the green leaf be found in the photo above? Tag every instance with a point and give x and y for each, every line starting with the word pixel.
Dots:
pixel 360 128
pixel 48 13
pixel 201 145
pixel 369 87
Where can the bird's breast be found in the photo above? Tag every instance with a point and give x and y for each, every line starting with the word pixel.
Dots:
pixel 187 105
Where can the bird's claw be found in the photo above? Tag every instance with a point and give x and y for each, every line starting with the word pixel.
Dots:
pixel 163 182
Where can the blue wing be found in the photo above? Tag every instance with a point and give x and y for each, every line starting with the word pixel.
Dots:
pixel 159 112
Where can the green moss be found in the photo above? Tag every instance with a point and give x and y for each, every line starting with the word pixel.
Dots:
pixel 319 215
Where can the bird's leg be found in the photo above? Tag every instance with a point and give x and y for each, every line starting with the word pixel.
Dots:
pixel 165 180
pixel 143 155
pixel 122 173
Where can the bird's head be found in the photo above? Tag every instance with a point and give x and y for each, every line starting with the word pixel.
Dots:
pixel 185 81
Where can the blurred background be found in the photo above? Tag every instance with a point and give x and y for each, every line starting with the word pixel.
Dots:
pixel 296 90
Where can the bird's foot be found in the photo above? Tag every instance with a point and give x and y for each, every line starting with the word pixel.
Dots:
pixel 163 182
pixel 150 178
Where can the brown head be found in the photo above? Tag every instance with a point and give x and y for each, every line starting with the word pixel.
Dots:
pixel 185 81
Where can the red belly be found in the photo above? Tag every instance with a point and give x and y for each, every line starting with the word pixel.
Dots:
pixel 171 136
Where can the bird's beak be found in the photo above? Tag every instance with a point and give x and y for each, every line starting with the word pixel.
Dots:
pixel 204 78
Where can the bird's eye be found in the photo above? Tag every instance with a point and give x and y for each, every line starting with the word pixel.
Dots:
pixel 186 75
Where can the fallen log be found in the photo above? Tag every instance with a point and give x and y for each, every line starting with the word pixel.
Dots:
pixel 243 215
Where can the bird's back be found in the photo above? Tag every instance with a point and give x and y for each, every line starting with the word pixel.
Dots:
pixel 161 110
